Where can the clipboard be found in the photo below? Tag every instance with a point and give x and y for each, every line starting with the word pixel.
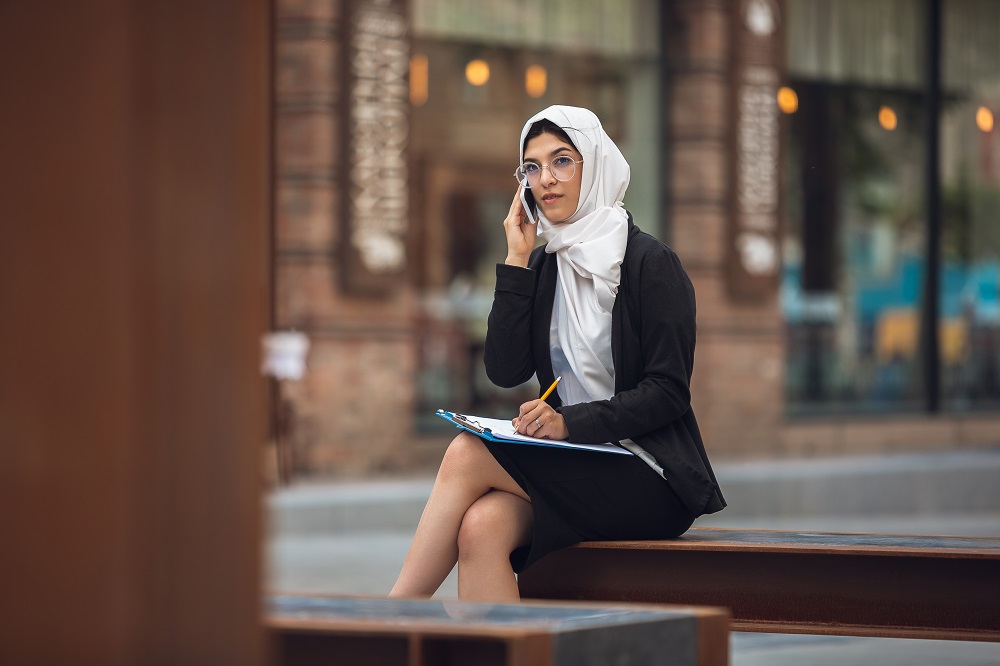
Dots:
pixel 498 430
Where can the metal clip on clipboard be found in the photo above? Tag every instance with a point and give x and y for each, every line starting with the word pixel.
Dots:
pixel 465 421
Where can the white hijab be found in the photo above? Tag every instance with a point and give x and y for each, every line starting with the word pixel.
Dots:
pixel 589 248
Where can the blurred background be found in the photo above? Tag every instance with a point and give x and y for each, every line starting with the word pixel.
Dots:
pixel 846 272
pixel 180 179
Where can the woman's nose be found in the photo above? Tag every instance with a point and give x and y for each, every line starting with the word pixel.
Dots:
pixel 547 180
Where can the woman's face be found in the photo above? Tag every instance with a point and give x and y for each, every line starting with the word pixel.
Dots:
pixel 556 199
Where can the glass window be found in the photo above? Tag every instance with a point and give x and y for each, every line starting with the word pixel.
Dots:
pixel 854 207
pixel 970 184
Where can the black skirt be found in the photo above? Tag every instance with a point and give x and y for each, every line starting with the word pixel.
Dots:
pixel 579 495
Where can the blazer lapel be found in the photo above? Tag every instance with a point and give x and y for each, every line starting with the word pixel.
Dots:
pixel 625 340
pixel 542 320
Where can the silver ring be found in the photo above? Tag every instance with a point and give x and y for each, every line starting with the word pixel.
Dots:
pixel 538 425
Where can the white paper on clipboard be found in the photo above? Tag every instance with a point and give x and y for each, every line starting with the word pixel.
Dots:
pixel 499 430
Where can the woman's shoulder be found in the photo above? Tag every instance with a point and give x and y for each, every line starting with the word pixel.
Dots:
pixel 651 269
pixel 646 251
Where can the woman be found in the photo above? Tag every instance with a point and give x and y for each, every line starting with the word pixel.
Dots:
pixel 611 310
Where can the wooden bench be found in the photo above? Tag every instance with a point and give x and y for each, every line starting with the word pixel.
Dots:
pixel 794 582
pixel 313 630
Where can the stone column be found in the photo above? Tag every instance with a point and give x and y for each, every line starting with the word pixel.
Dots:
pixel 341 267
pixel 737 387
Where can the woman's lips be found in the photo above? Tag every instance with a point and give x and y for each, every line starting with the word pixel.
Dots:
pixel 549 198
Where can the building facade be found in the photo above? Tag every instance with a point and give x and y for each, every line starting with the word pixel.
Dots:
pixel 781 148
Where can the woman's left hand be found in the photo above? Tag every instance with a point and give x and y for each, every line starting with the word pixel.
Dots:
pixel 537 418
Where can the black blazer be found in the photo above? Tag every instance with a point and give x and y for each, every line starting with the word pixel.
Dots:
pixel 652 345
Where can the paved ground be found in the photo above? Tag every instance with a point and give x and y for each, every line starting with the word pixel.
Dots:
pixel 790 650
pixel 352 538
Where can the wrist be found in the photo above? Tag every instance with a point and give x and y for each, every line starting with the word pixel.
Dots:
pixel 516 260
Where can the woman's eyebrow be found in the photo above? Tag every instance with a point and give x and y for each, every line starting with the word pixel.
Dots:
pixel 561 149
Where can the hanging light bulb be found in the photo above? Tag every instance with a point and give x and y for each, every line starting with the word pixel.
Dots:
pixel 788 101
pixel 536 80
pixel 419 79
pixel 887 118
pixel 984 119
pixel 477 72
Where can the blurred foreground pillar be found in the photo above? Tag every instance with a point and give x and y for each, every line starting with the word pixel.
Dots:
pixel 134 207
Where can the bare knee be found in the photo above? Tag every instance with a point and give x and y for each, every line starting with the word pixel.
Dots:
pixel 490 527
pixel 463 456
pixel 467 464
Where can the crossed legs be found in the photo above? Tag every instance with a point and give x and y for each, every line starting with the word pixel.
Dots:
pixel 476 515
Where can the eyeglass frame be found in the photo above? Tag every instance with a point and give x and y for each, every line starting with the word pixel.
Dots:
pixel 549 167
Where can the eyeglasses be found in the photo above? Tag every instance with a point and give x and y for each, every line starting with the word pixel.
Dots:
pixel 562 168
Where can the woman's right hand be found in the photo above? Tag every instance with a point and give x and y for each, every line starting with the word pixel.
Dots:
pixel 520 234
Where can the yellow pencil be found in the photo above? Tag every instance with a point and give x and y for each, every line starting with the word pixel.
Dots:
pixel 551 388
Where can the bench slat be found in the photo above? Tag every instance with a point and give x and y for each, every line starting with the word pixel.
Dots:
pixel 721 539
pixel 866 585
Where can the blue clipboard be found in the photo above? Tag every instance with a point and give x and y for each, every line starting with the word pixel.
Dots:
pixel 496 430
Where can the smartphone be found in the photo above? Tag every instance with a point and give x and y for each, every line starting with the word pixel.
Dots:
pixel 528 201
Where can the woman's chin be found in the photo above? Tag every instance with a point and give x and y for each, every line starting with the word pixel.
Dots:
pixel 557 216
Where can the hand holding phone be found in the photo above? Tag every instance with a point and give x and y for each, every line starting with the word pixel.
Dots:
pixel 529 206
pixel 521 231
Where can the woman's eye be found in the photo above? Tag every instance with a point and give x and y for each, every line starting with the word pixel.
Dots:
pixel 530 168
pixel 561 161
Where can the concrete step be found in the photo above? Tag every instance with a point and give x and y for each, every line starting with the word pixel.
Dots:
pixel 897 485
pixel 312 509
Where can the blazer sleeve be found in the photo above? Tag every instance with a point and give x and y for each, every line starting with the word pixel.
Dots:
pixel 665 337
pixel 508 354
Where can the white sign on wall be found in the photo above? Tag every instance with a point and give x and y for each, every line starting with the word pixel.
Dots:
pixel 754 259
pixel 378 131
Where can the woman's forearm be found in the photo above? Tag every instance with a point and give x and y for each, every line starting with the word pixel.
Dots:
pixel 508 355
